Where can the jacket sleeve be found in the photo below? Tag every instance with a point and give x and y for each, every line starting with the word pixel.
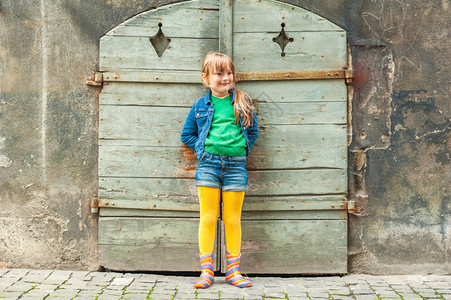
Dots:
pixel 189 133
pixel 252 132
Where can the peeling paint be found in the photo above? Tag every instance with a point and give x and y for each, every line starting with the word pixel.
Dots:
pixel 4 161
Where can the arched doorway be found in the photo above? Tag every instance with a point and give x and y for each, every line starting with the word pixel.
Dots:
pixel 294 64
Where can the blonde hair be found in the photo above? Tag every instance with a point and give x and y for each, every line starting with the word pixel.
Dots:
pixel 218 62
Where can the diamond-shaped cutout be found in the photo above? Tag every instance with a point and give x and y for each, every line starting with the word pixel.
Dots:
pixel 282 39
pixel 159 41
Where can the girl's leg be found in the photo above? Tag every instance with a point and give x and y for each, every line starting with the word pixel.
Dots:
pixel 232 205
pixel 209 210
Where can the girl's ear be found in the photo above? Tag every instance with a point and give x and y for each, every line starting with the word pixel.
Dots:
pixel 204 78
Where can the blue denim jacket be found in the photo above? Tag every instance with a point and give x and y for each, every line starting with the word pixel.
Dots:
pixel 197 126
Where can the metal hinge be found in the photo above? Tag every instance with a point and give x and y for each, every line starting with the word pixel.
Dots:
pixel 349 75
pixel 95 80
pixel 95 205
pixel 351 207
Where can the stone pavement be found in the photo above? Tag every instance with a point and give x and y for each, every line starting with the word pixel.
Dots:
pixel 47 284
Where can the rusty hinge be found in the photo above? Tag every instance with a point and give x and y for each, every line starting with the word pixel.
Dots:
pixel 349 75
pixel 95 80
pixel 95 205
pixel 351 207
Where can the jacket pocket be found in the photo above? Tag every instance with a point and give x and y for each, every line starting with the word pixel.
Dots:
pixel 201 113
pixel 201 119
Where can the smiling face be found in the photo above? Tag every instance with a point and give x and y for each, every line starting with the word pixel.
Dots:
pixel 218 74
pixel 220 82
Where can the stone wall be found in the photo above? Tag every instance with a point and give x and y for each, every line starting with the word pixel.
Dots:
pixel 399 170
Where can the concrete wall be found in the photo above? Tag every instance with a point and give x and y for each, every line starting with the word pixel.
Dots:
pixel 399 157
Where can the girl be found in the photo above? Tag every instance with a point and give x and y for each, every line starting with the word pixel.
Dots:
pixel 221 128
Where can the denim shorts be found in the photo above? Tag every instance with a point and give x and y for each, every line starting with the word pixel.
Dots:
pixel 228 172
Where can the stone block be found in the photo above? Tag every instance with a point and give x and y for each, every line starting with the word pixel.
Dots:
pixel 231 295
pixel 252 297
pixel 160 296
pixel 16 273
pixel 271 284
pixel 212 296
pixel 45 288
pixel 135 297
pixel 14 295
pixel 184 296
pixel 363 292
pixel 20 287
pixel 274 294
pixel 367 297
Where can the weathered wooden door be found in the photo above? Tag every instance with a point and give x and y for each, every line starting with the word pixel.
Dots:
pixel 293 63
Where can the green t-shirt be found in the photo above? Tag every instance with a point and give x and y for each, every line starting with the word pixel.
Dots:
pixel 224 137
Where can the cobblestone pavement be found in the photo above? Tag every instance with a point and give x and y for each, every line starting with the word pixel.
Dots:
pixel 39 284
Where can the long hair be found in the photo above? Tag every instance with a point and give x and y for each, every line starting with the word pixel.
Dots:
pixel 218 62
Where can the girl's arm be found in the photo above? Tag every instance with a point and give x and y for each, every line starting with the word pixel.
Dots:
pixel 189 132
pixel 252 132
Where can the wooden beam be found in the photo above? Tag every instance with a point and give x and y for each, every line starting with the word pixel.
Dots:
pixel 225 27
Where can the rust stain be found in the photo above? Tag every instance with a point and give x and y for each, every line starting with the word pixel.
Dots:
pixel 249 76
pixel 189 158
pixel 360 207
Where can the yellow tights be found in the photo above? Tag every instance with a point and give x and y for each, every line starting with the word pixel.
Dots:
pixel 209 211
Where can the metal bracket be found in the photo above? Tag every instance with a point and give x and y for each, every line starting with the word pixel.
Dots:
pixel 349 75
pixel 95 205
pixel 96 81
pixel 351 207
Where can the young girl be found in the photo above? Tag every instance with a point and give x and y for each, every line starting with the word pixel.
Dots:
pixel 221 128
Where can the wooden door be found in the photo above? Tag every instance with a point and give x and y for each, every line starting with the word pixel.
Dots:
pixel 294 216
pixel 148 202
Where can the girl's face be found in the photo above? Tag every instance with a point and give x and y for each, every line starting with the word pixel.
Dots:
pixel 220 82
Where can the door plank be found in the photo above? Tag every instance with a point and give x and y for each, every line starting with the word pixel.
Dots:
pixel 174 94
pixel 175 24
pixel 177 190
pixel 153 124
pixel 248 17
pixel 329 90
pixel 295 182
pixel 127 53
pixel 268 183
pixel 270 113
pixel 256 52
pixel 225 27
pixel 153 94
pixel 157 244
pixel 294 246
pixel 138 161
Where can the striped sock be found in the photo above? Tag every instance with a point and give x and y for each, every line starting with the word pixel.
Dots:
pixel 207 276
pixel 233 275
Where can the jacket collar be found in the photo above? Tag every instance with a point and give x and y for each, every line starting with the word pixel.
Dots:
pixel 207 98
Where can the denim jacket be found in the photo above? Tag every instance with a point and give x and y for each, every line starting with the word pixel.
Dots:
pixel 197 126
